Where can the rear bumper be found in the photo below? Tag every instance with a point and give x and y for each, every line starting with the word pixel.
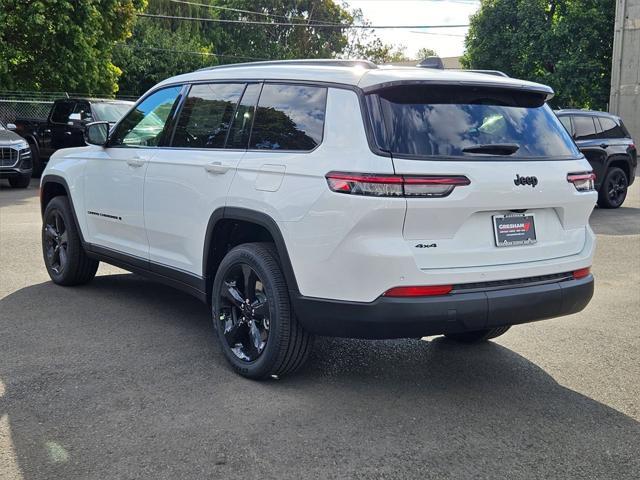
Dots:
pixel 461 311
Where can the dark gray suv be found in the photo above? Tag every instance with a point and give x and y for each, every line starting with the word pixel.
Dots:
pixel 609 148
pixel 15 157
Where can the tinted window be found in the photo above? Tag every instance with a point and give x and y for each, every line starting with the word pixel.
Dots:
pixel 466 122
pixel 143 126
pixel 610 129
pixel 206 115
pixel 566 121
pixel 289 117
pixel 585 129
pixel 82 111
pixel 241 127
pixel 61 112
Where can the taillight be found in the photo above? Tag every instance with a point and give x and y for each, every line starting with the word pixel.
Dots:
pixel 582 273
pixel 584 181
pixel 375 185
pixel 426 291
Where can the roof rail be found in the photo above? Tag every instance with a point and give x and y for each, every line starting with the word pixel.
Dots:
pixel 496 73
pixel 329 62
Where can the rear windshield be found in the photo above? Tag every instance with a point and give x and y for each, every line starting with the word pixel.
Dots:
pixel 471 123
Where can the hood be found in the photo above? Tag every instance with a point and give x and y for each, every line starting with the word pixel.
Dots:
pixel 7 138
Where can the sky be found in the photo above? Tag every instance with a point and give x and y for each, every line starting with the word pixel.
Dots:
pixel 448 42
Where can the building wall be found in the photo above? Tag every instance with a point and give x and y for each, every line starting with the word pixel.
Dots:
pixel 625 70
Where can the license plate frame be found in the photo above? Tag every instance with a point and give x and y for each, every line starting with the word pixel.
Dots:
pixel 514 229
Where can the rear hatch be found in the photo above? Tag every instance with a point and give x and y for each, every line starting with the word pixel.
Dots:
pixel 518 205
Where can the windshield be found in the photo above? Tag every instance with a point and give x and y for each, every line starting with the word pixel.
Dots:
pixel 469 122
pixel 111 112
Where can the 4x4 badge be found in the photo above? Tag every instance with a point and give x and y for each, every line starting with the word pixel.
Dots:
pixel 533 181
pixel 423 245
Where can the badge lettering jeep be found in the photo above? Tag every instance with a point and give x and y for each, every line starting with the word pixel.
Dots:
pixel 533 181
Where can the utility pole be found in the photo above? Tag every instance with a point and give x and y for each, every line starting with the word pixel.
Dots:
pixel 625 69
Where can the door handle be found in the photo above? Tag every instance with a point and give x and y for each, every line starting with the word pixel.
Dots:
pixel 604 145
pixel 135 162
pixel 67 132
pixel 48 130
pixel 216 168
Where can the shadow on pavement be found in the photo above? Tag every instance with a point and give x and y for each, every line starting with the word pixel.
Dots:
pixel 122 378
pixel 17 196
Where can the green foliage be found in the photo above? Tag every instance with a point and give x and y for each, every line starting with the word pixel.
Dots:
pixel 564 43
pixel 425 52
pixel 63 45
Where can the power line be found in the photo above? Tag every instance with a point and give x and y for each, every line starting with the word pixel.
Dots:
pixel 289 24
pixel 251 12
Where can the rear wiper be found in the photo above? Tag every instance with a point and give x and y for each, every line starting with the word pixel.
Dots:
pixel 493 148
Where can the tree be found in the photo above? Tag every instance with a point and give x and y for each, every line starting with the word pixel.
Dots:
pixel 425 52
pixel 566 44
pixel 160 47
pixel 63 45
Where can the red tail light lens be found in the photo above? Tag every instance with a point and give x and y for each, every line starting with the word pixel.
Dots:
pixel 582 273
pixel 584 181
pixel 394 185
pixel 427 291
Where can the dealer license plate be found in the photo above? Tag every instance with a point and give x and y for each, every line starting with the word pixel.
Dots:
pixel 514 229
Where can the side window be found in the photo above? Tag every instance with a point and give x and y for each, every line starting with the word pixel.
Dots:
pixel 289 117
pixel 610 129
pixel 566 121
pixel 242 120
pixel 143 126
pixel 585 128
pixel 206 115
pixel 61 112
pixel 81 112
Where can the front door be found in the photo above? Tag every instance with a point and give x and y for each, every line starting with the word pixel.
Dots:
pixel 114 179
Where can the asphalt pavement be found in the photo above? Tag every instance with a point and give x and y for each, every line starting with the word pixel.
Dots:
pixel 123 379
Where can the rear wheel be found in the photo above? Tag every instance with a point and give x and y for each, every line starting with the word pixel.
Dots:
pixel 20 182
pixel 477 336
pixel 256 327
pixel 64 256
pixel 613 190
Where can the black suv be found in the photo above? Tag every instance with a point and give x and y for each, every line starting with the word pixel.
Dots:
pixel 609 148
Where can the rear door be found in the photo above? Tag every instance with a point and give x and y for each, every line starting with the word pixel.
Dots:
pixel 518 205
pixel 189 179
pixel 58 127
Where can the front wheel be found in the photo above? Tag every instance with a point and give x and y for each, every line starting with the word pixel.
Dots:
pixel 64 255
pixel 478 336
pixel 258 332
pixel 613 190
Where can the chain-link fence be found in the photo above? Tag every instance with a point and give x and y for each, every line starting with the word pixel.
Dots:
pixel 34 105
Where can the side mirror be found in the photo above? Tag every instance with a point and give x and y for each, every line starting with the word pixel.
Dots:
pixel 75 117
pixel 11 126
pixel 97 133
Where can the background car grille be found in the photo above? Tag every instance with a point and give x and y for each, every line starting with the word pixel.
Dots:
pixel 8 156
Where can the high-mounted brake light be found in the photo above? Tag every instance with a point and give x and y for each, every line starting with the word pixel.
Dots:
pixel 584 181
pixel 375 185
pixel 582 273
pixel 426 291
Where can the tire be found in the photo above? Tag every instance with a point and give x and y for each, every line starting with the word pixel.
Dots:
pixel 65 258
pixel 613 190
pixel 266 340
pixel 20 182
pixel 36 161
pixel 478 336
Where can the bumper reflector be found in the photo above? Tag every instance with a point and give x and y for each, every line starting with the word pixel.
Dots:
pixel 583 272
pixel 427 291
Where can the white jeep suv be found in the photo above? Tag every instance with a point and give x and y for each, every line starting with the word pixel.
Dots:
pixel 334 198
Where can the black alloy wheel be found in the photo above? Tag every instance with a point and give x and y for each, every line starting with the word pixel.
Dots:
pixel 56 241
pixel 244 312
pixel 616 187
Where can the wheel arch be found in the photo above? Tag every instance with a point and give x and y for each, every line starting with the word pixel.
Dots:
pixel 622 162
pixel 256 226
pixel 53 186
